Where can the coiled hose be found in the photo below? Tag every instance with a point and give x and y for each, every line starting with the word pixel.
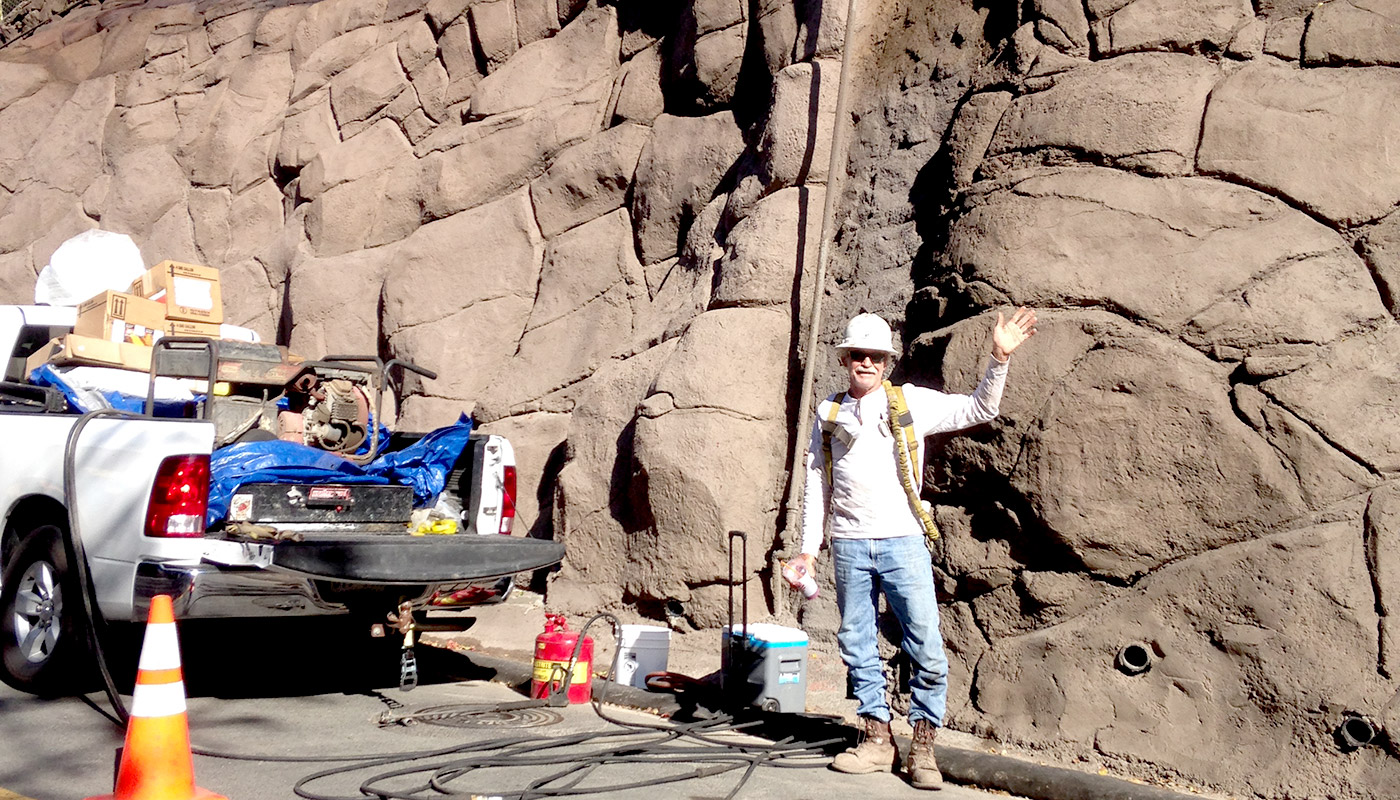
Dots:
pixel 441 771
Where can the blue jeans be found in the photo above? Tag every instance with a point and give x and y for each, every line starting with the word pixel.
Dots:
pixel 902 569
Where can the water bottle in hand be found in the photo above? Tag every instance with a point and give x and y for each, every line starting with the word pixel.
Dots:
pixel 797 576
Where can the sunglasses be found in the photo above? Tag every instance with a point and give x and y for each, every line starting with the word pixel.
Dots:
pixel 875 356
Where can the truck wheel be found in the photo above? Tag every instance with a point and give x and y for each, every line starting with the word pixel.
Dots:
pixel 41 641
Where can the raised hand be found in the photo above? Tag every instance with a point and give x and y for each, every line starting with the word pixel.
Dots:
pixel 1010 334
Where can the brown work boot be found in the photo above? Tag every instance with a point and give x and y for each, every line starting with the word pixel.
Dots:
pixel 875 752
pixel 921 766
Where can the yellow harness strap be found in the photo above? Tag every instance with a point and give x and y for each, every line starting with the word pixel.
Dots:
pixel 906 447
pixel 828 425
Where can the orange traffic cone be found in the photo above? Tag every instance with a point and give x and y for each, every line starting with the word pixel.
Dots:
pixel 156 762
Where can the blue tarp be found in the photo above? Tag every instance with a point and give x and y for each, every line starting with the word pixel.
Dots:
pixel 83 399
pixel 423 465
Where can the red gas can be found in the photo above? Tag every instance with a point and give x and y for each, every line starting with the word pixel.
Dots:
pixel 553 649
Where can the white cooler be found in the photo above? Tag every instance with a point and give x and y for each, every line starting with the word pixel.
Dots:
pixel 642 649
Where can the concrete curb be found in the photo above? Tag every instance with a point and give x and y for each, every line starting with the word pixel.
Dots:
pixel 1040 782
pixel 983 770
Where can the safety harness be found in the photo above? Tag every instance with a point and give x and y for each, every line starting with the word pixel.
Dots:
pixel 906 447
pixel 830 427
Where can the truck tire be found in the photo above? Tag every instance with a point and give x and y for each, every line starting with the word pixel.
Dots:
pixel 41 638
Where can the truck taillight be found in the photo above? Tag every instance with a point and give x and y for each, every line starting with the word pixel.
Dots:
pixel 508 501
pixel 179 497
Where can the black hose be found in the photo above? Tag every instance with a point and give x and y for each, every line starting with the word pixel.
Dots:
pixel 637 742
pixel 630 743
pixel 715 757
pixel 77 558
pixel 522 751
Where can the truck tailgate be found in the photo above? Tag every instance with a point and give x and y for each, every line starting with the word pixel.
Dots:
pixel 371 558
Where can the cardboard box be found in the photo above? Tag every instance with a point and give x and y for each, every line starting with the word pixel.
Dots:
pixel 42 356
pixel 190 292
pixel 121 317
pixel 76 349
pixel 182 327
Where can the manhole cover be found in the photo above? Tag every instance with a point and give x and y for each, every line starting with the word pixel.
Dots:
pixel 466 716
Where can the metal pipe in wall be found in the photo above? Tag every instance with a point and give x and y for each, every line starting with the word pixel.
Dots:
pixel 836 168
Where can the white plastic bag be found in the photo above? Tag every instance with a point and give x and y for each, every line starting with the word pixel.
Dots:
pixel 239 333
pixel 90 384
pixel 88 264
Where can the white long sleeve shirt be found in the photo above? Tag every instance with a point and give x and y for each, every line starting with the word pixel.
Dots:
pixel 867 498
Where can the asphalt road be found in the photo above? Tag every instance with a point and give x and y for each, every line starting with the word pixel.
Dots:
pixel 277 693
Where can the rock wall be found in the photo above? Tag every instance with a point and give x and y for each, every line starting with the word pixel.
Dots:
pixel 531 197
pixel 597 221
pixel 1198 452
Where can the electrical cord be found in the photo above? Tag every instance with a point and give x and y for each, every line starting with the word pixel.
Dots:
pixel 694 744
pixel 629 748
pixel 633 743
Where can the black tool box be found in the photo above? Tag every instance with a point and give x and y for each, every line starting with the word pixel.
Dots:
pixel 313 503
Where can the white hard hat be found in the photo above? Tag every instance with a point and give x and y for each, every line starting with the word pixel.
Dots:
pixel 868 332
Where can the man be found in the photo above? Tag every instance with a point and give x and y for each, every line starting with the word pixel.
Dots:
pixel 877 534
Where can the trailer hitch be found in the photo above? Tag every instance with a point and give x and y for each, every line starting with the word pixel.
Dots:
pixel 408 663
pixel 408 627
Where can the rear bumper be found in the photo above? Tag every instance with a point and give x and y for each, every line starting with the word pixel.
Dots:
pixel 414 559
pixel 209 591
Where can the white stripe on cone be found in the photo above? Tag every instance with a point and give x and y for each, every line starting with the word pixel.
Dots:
pixel 158 699
pixel 161 648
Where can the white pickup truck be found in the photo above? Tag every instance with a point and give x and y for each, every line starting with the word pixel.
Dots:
pixel 128 497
